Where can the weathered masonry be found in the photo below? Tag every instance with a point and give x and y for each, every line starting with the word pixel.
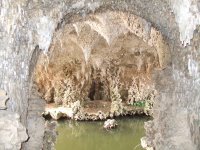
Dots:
pixel 158 39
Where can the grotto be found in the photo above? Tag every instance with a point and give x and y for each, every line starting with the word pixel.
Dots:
pixel 101 68
pixel 91 60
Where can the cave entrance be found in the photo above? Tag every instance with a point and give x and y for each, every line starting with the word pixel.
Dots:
pixel 101 65
pixel 96 90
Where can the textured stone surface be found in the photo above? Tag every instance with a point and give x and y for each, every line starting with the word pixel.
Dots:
pixel 12 132
pixel 28 25
pixel 57 113
pixel 35 122
pixel 110 123
pixel 100 58
pixel 3 99
pixel 187 15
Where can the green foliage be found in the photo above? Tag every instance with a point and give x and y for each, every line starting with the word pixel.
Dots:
pixel 146 104
pixel 139 104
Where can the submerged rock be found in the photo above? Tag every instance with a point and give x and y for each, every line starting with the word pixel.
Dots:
pixel 110 123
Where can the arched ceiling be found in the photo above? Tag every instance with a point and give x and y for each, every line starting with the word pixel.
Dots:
pixel 110 45
pixel 112 35
pixel 109 38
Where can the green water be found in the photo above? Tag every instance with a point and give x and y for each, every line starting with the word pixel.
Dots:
pixel 74 135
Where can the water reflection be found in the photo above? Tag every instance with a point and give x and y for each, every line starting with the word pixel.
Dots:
pixel 74 135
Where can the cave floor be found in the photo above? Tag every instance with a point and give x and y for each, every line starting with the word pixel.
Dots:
pixel 97 105
pixel 92 108
pixel 89 106
pixel 105 106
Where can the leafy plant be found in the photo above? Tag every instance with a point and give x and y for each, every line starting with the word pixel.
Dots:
pixel 139 103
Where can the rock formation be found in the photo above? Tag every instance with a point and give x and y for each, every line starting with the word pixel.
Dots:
pixel 87 60
pixel 12 132
pixel 110 124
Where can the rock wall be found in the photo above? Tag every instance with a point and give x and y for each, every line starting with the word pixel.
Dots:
pixel 179 97
pixel 29 25
pixel 12 132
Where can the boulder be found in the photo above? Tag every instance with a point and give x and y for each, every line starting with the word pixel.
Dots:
pixel 110 124
pixel 57 113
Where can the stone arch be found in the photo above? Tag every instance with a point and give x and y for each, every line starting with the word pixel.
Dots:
pixel 163 58
pixel 107 26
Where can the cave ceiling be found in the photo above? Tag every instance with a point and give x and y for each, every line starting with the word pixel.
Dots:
pixel 111 37
pixel 106 46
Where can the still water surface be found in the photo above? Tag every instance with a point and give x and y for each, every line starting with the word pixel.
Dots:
pixel 74 135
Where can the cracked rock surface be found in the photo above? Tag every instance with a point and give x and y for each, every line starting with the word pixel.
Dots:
pixel 12 132
pixel 28 27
